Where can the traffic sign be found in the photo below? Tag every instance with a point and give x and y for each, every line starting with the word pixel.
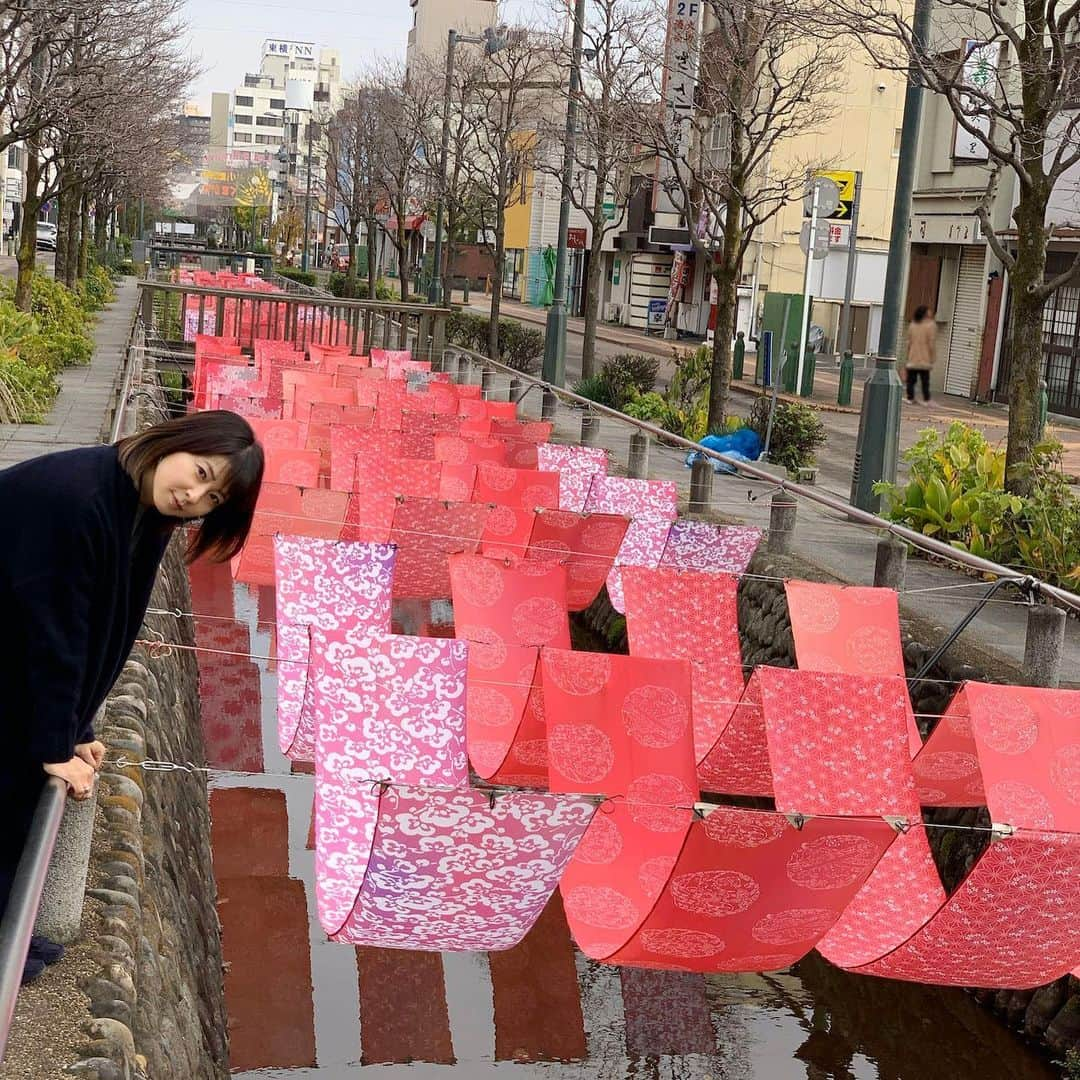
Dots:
pixel 821 239
pixel 828 197
pixel 845 182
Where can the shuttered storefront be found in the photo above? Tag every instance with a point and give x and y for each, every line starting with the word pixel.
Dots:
pixel 965 337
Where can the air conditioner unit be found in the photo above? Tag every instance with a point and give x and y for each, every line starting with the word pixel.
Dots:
pixel 613 312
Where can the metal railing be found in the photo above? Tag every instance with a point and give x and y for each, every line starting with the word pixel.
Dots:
pixel 175 312
pixel 828 502
pixel 17 925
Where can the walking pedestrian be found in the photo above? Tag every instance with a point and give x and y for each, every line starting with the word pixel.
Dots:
pixel 921 351
pixel 81 537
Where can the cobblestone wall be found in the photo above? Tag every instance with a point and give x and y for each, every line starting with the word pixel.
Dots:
pixel 157 997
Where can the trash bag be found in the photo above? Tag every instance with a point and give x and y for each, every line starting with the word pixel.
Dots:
pixel 743 444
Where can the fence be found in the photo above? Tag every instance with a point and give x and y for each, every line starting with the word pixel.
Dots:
pixel 175 313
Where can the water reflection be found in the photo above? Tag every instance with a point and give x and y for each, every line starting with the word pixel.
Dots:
pixel 302 1008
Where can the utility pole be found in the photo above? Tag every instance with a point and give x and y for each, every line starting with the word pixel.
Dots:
pixel 878 443
pixel 554 370
pixel 307 196
pixel 844 337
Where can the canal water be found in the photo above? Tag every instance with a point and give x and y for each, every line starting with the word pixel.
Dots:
pixel 302 1007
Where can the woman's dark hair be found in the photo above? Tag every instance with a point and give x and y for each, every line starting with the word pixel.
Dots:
pixel 216 432
pixel 920 313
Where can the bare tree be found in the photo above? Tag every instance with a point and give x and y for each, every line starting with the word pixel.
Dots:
pixel 407 108
pixel 617 85
pixel 518 86
pixel 1016 96
pixel 764 76
pixel 355 147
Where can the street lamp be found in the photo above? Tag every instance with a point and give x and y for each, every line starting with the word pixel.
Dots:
pixel 492 40
pixel 554 370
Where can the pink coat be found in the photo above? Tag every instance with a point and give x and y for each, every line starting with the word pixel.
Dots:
pixel 922 341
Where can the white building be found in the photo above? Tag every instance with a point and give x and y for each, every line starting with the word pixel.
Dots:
pixel 434 19
pixel 12 161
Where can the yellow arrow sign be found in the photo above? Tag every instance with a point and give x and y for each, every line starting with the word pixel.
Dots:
pixel 845 181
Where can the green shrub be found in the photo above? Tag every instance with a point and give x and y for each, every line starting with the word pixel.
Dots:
pixel 797 431
pixel 631 370
pixel 467 330
pixel 658 410
pixel 27 392
pixel 125 268
pixel 96 289
pixel 301 277
pixel 597 388
pixel 956 492
pixel 690 383
pixel 521 347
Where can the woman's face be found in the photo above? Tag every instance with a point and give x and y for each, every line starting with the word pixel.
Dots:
pixel 189 485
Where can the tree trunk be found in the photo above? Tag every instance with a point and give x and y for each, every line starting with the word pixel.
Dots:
pixel 403 260
pixel 28 233
pixel 352 272
pixel 372 258
pixel 448 258
pixel 497 281
pixel 60 255
pixel 74 240
pixel 101 227
pixel 1025 340
pixel 592 275
pixel 727 275
pixel 84 234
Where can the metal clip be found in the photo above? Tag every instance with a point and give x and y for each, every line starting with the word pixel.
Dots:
pixel 999 831
pixel 797 820
pixel 898 824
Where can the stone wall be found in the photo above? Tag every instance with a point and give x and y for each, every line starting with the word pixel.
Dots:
pixel 156 997
pixel 1049 1015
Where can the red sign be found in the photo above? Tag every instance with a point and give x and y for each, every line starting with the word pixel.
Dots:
pixel 575 238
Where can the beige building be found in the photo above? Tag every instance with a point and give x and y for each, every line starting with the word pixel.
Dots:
pixel 434 19
pixel 863 137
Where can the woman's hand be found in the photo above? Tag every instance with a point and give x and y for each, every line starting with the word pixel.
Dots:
pixel 78 776
pixel 93 753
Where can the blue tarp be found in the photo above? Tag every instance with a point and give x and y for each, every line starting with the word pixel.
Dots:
pixel 741 445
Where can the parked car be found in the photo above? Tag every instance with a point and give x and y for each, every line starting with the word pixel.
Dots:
pixel 46 235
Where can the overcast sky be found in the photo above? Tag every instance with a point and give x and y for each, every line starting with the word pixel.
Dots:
pixel 226 36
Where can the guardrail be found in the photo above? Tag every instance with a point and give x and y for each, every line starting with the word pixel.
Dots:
pixel 17 925
pixel 552 394
pixel 176 311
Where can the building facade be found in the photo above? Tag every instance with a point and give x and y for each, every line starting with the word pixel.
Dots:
pixel 434 19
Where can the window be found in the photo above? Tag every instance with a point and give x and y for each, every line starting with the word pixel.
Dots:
pixel 277 103
pixel 244 99
pixel 242 136
pixel 13 158
pixel 897 136
pixel 268 121
pixel 243 118
pixel 267 139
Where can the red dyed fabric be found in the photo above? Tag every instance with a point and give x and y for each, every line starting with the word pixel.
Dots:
pixel 508 531
pixel 279 434
pixel 349 440
pixel 229 692
pixel 496 605
pixel 427 532
pixel 497 695
pixel 845 628
pixel 746 891
pixel 515 487
pixel 456 482
pixel 298 467
pixel 587 543
pixel 619 725
pixel 738 762
pixel 379 474
pixel 838 743
pixel 1012 923
pixel 848 628
pixel 459 450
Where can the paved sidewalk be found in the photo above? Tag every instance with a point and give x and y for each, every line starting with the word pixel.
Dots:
pixel 841 422
pixel 79 414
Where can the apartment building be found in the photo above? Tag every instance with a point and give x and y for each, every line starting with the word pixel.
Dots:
pixel 434 19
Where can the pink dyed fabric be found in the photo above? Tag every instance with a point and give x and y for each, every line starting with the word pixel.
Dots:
pixel 576 466
pixel 397 704
pixel 713 549
pixel 651 506
pixel 440 870
pixel 322 583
